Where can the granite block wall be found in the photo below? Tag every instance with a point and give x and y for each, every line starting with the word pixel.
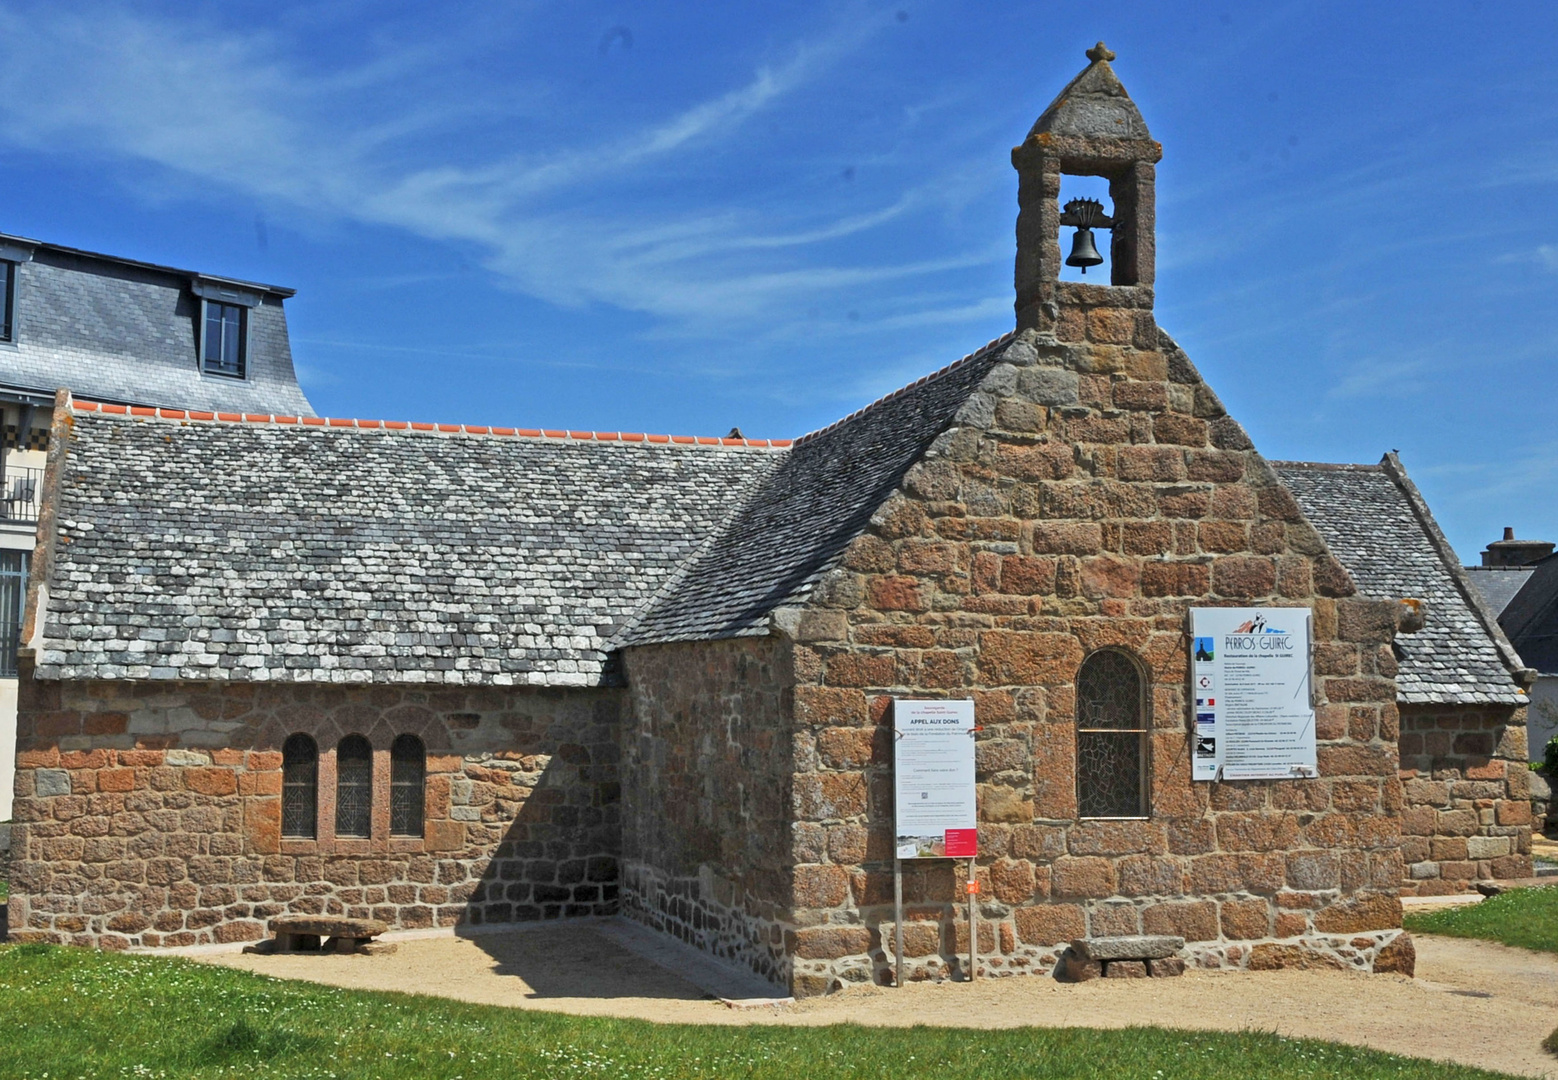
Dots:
pixel 150 813
pixel 706 798
pixel 1466 815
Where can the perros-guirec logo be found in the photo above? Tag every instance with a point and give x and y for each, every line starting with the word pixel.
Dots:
pixel 1257 625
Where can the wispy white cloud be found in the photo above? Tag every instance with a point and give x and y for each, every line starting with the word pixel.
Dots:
pixel 210 106
pixel 1373 377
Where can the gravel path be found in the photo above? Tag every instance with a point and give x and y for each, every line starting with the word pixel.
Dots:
pixel 1472 1002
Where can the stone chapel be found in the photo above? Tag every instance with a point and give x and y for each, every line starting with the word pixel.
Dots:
pixel 447 675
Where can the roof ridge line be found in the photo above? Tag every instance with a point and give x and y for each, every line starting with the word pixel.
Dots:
pixel 921 381
pixel 1338 465
pixel 284 291
pixel 142 412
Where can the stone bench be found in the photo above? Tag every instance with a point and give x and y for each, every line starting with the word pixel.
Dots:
pixel 324 933
pixel 1135 957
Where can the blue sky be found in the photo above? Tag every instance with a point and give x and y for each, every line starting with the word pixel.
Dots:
pixel 682 217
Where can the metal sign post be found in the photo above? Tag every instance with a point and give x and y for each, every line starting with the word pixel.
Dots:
pixel 973 920
pixel 898 922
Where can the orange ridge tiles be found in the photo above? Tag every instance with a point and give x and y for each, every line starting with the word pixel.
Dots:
pixel 85 406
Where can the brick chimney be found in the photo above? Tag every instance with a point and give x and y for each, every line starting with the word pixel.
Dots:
pixel 1092 129
pixel 1512 552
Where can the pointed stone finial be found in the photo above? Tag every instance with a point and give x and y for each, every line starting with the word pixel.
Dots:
pixel 1093 105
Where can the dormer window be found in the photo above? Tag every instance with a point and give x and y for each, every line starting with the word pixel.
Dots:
pixel 13 252
pixel 222 343
pixel 223 329
pixel 7 300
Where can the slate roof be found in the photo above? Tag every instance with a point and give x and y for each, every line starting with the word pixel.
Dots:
pixel 802 514
pixel 1531 617
pixel 345 552
pixel 1498 584
pixel 1374 521
pixel 118 330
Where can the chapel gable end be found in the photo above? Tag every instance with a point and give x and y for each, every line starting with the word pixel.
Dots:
pixel 1042 557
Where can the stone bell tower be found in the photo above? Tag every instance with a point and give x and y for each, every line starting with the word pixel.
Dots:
pixel 1092 129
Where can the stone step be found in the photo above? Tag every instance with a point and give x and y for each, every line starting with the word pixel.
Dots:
pixel 1493 888
pixel 1134 947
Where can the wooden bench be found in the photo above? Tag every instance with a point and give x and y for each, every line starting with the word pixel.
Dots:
pixel 1134 957
pixel 325 933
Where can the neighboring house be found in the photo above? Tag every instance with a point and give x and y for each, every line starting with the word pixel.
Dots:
pixel 1507 565
pixel 1519 581
pixel 122 331
pixel 1531 621
pixel 448 675
pixel 1460 685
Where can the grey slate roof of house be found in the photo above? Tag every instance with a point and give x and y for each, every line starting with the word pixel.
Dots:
pixel 112 329
pixel 263 551
pixel 800 516
pixel 1498 584
pixel 1531 617
pixel 1374 521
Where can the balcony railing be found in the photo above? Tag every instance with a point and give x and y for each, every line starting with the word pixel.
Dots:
pixel 13 590
pixel 19 494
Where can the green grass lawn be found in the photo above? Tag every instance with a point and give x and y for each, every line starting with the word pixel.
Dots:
pixel 1525 918
pixel 70 1013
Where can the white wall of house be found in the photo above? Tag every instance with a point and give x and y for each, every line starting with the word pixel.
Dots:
pixel 7 745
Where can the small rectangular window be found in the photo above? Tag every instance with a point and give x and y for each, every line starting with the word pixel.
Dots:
pixel 7 300
pixel 221 345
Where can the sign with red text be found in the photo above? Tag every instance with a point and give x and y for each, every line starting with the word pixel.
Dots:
pixel 933 774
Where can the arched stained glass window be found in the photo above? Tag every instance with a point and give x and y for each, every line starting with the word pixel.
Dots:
pixel 1111 737
pixel 408 768
pixel 299 787
pixel 353 787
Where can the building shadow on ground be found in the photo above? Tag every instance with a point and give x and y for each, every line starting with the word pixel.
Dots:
pixel 576 960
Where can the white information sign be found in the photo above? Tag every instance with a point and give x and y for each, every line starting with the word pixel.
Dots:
pixel 1249 680
pixel 933 773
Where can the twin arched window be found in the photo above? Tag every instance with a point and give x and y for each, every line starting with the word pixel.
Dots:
pixel 353 787
pixel 1111 737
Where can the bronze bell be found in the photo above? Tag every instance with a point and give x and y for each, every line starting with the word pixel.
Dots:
pixel 1085 215
pixel 1083 253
